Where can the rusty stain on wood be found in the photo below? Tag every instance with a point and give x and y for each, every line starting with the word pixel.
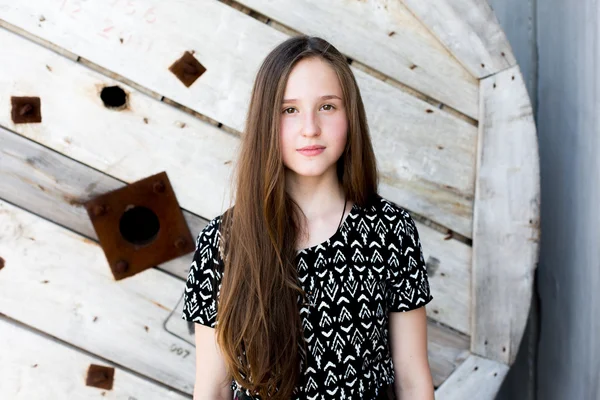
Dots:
pixel 26 110
pixel 100 376
pixel 187 69
pixel 161 306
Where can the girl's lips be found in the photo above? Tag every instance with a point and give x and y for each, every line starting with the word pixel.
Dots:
pixel 311 152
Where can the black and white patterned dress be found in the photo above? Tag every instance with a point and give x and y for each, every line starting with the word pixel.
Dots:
pixel 372 265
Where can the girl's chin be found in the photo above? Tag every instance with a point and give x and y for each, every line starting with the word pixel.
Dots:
pixel 307 173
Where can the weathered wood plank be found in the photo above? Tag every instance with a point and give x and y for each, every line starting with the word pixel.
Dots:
pixel 53 186
pixel 57 282
pixel 476 378
pixel 470 31
pixel 386 37
pixel 426 155
pixel 38 367
pixel 449 278
pixel 146 138
pixel 506 219
pixel 447 349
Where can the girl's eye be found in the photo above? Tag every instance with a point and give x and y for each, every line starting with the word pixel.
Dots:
pixel 292 108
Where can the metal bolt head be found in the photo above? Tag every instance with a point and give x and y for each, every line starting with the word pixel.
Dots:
pixel 121 266
pixel 159 187
pixel 99 210
pixel 180 243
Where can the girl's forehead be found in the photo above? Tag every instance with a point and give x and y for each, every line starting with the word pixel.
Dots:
pixel 311 79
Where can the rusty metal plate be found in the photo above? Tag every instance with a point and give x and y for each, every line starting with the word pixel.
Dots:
pixel 187 69
pixel 100 376
pixel 140 225
pixel 26 110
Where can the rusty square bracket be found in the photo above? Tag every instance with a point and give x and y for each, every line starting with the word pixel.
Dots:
pixel 26 110
pixel 187 69
pixel 100 376
pixel 140 225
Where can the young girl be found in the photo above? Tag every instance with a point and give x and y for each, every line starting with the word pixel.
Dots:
pixel 312 286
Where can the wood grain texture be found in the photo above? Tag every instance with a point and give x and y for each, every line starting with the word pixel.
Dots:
pixel 476 378
pixel 36 367
pixel 54 187
pixel 506 220
pixel 145 138
pixel 426 155
pixel 470 30
pixel 57 282
pixel 385 36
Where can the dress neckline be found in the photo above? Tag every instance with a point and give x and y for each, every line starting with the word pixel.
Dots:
pixel 343 226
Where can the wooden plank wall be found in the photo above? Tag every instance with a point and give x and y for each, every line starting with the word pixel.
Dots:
pixel 451 258
pixel 422 101
pixel 427 156
pixel 36 366
pixel 138 149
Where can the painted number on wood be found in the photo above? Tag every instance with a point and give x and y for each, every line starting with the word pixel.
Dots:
pixel 180 351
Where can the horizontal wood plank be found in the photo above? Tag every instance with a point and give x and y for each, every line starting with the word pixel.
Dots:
pixel 476 378
pixel 37 367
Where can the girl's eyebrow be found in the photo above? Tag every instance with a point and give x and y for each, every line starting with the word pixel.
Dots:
pixel 326 97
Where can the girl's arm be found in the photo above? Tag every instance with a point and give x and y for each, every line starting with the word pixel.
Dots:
pixel 408 345
pixel 212 382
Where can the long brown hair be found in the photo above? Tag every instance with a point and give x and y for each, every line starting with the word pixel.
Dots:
pixel 259 328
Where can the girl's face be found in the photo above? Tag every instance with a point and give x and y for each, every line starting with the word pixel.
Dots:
pixel 313 114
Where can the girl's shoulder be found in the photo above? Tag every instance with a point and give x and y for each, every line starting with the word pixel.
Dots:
pixel 385 209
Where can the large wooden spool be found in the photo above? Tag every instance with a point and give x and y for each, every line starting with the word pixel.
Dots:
pixel 452 127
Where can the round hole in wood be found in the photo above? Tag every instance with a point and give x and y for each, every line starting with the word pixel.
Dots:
pixel 139 225
pixel 113 97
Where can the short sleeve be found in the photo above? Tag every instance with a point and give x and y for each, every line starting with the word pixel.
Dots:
pixel 408 283
pixel 203 283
